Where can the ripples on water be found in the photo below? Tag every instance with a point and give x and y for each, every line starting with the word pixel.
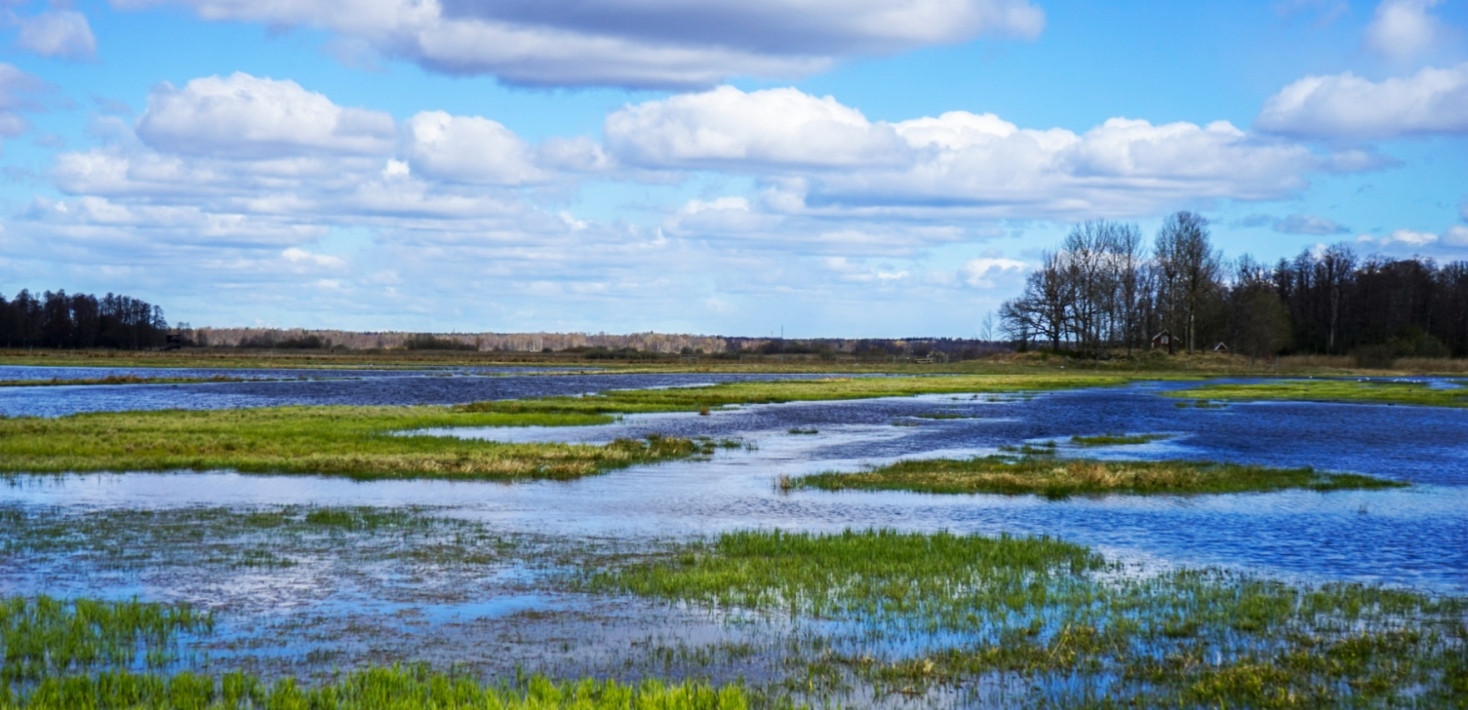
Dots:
pixel 1416 536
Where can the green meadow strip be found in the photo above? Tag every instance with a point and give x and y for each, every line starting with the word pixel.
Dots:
pixel 1347 391
pixel 369 442
pixel 1077 631
pixel 1058 478
pixel 362 442
pixel 394 688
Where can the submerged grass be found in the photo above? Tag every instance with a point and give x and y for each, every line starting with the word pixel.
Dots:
pixel 1357 391
pixel 1075 630
pixel 1059 478
pixel 70 655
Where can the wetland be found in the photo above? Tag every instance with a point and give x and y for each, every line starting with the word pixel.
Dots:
pixel 524 537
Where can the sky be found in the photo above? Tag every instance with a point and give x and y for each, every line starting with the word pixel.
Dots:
pixel 821 168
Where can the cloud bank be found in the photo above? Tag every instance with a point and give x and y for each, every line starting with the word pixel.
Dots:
pixel 633 43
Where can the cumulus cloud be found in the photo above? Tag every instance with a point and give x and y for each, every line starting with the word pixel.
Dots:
pixel 819 155
pixel 244 116
pixel 64 34
pixel 1401 29
pixel 1432 101
pixel 727 127
pixel 1456 236
pixel 468 149
pixel 635 43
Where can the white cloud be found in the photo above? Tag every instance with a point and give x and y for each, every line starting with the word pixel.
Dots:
pixel 57 33
pixel 684 43
pixel 1401 29
pixel 242 116
pixel 1409 238
pixel 992 272
pixel 729 128
pixel 301 257
pixel 1347 106
pixel 821 156
pixel 468 149
pixel 1455 236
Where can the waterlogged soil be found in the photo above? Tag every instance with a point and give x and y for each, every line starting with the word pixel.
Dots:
pixel 485 575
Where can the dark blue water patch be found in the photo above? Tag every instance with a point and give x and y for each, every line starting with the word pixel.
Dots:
pixel 341 387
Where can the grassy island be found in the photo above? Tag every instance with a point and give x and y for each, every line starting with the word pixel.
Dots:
pixel 355 441
pixel 1349 391
pixel 1057 478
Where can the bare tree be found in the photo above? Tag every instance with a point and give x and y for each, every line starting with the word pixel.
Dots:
pixel 1190 269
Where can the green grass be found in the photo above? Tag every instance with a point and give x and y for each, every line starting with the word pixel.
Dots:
pixel 1351 391
pixel 1117 439
pixel 352 441
pixel 361 441
pixel 1057 478
pixel 393 688
pixel 1075 630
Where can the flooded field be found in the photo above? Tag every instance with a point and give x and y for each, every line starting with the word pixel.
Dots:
pixel 307 574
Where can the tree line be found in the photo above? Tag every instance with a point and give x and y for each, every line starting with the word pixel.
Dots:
pixel 59 320
pixel 1105 289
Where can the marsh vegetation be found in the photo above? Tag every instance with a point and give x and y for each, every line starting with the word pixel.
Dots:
pixel 1409 392
pixel 1035 472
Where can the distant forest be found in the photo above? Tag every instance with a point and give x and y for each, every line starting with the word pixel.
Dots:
pixel 1104 290
pixel 58 320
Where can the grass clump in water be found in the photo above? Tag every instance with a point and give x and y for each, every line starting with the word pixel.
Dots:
pixel 43 637
pixel 1058 478
pixel 1408 392
pixel 1070 628
pixel 1117 439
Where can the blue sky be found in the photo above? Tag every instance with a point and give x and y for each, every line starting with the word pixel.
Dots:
pixel 835 167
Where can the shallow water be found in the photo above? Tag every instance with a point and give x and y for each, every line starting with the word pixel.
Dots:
pixel 1416 537
pixel 271 388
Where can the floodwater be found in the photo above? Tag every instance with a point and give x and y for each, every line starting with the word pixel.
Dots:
pixel 272 388
pixel 1415 537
